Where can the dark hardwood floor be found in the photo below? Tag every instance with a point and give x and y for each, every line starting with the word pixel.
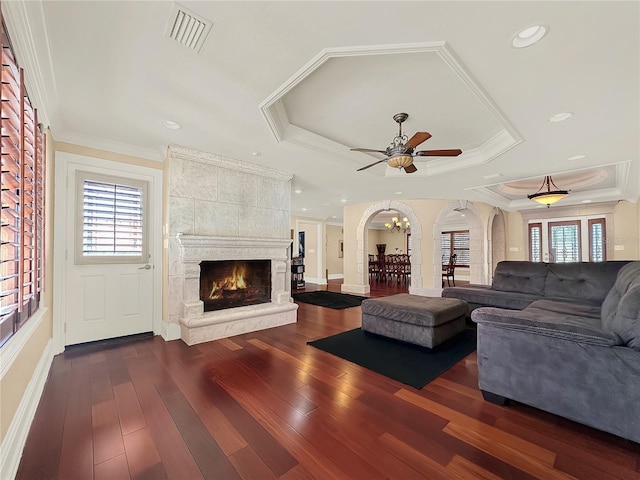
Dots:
pixel 265 405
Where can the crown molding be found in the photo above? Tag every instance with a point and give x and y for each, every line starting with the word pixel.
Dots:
pixel 111 145
pixel 185 153
pixel 28 32
pixel 274 112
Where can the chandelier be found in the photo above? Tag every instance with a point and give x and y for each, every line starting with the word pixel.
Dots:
pixel 398 226
pixel 548 197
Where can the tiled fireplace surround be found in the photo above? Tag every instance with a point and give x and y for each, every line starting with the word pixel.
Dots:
pixel 224 209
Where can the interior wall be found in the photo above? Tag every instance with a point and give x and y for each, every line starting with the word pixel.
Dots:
pixel 333 242
pixel 396 242
pixel 626 240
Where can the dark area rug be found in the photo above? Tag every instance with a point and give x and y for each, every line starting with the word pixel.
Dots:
pixel 410 364
pixel 328 299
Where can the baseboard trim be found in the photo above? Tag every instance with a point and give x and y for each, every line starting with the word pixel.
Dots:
pixel 16 437
pixel 336 276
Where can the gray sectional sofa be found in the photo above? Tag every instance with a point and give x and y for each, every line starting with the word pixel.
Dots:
pixel 564 338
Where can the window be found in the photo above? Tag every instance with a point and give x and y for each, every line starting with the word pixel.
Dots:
pixel 456 242
pixel 23 180
pixel 564 241
pixel 597 240
pixel 535 242
pixel 567 240
pixel 111 220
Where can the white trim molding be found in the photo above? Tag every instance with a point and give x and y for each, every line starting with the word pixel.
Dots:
pixel 16 437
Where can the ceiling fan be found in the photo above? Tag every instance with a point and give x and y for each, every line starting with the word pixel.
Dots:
pixel 400 152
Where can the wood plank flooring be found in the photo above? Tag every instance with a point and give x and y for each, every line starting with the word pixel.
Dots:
pixel 265 405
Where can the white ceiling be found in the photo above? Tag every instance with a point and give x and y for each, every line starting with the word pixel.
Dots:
pixel 302 82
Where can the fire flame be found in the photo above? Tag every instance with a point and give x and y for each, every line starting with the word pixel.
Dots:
pixel 234 282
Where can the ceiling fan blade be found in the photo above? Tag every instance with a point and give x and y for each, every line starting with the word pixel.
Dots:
pixel 439 153
pixel 367 150
pixel 417 139
pixel 410 168
pixel 374 163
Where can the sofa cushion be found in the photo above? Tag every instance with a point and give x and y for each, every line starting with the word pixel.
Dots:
pixel 542 322
pixel 582 280
pixel 522 277
pixel 621 307
pixel 566 307
pixel 485 295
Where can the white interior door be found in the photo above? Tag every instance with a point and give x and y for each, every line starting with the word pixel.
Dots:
pixel 109 260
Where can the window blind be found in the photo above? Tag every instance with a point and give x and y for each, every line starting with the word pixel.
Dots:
pixel 456 242
pixel 112 219
pixel 22 225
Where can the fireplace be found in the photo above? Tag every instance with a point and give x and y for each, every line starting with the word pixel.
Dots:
pixel 266 274
pixel 234 283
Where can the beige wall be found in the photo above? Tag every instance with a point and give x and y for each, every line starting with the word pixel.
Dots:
pixel 334 262
pixel 15 381
pixel 426 211
pixel 311 226
pixel 392 240
pixel 626 239
pixel 516 243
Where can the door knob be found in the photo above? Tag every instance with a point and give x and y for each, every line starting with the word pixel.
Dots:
pixel 146 267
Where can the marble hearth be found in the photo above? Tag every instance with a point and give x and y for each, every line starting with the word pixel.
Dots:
pixel 198 326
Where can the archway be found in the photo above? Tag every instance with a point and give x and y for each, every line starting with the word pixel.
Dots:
pixel 362 248
pixel 496 241
pixel 477 267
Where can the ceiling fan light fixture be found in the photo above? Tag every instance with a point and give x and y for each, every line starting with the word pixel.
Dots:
pixel 548 197
pixel 400 161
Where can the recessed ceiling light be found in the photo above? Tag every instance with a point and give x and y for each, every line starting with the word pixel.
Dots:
pixel 586 201
pixel 304 209
pixel 297 190
pixel 560 117
pixel 171 124
pixel 529 36
pixel 492 175
pixel 256 154
pixel 344 200
pixel 577 157
pixel 398 193
pixel 334 216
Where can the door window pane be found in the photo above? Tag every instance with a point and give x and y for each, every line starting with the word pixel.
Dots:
pixel 564 242
pixel 535 242
pixel 111 220
pixel 597 240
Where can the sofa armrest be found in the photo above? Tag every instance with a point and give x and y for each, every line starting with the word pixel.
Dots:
pixel 542 322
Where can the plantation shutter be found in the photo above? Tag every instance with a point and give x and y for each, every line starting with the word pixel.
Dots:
pixel 456 242
pixel 112 222
pixel 22 227
pixel 461 248
pixel 597 250
pixel 535 242
pixel 446 248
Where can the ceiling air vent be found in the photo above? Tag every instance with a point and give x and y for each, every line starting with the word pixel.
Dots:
pixel 187 28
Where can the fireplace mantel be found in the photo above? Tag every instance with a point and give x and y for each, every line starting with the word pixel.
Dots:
pixel 198 326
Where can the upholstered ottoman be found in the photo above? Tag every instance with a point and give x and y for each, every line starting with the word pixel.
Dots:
pixel 426 321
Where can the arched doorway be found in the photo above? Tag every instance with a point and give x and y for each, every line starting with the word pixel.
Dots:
pixel 477 267
pixel 496 241
pixel 362 250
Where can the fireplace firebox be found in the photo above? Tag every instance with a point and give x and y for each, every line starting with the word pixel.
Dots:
pixel 234 283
